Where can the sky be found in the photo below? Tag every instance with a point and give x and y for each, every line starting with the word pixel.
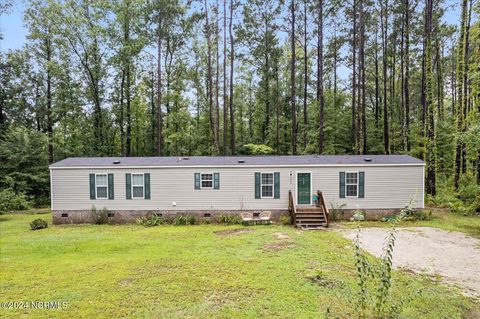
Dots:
pixel 13 29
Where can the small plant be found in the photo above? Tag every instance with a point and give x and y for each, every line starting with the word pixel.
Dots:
pixel 336 211
pixel 152 220
pixel 318 277
pixel 229 219
pixel 423 215
pixel 38 224
pixel 358 215
pixel 191 220
pixel 285 220
pixel 180 220
pixel 100 217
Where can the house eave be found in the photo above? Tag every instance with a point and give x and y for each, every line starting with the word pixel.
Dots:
pixel 229 166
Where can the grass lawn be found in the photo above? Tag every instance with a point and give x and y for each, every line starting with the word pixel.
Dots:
pixel 120 271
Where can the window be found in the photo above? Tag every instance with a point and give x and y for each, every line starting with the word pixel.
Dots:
pixel 267 185
pixel 207 180
pixel 351 185
pixel 137 186
pixel 101 185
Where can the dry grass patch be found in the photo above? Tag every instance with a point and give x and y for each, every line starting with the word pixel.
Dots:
pixel 236 231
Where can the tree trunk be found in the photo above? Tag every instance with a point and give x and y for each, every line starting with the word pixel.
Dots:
pixel 386 141
pixel 225 107
pixel 354 76
pixel 320 95
pixel 305 75
pixel 122 115
pixel 159 92
pixel 152 113
pixel 335 67
pixel 438 64
pixel 431 160
pixel 423 79
pixel 362 77
pixel 127 66
pixel 232 56
pixel 460 91
pixel 292 80
pixel 210 82
pixel 48 48
pixel 217 75
pixel 406 83
pixel 466 84
pixel 377 81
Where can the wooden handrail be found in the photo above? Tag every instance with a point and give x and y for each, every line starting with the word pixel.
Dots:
pixel 321 203
pixel 292 208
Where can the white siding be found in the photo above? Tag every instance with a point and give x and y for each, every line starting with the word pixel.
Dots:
pixel 385 187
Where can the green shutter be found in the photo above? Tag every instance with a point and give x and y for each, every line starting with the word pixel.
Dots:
pixel 216 180
pixel 342 185
pixel 276 185
pixel 128 185
pixel 92 186
pixel 146 182
pixel 197 180
pixel 361 184
pixel 111 190
pixel 257 185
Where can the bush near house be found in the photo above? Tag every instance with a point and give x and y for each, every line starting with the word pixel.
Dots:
pixel 38 224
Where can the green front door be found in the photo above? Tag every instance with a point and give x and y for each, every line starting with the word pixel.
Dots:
pixel 303 188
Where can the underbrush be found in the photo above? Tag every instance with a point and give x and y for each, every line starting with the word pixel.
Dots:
pixel 465 201
pixel 157 219
pixel 11 201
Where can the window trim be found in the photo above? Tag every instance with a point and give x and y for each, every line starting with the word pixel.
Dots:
pixel 143 186
pixel 273 185
pixel 346 184
pixel 213 179
pixel 96 186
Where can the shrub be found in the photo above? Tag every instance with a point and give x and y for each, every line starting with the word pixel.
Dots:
pixel 336 212
pixel 423 215
pixel 229 219
pixel 285 220
pixel 358 215
pixel 38 224
pixel 152 220
pixel 180 220
pixel 100 217
pixel 191 220
pixel 465 201
pixel 10 201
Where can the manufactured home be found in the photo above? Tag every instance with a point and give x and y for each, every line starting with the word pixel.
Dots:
pixel 131 187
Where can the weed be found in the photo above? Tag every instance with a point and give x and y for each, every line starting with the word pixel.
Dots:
pixel 229 219
pixel 100 217
pixel 285 220
pixel 152 220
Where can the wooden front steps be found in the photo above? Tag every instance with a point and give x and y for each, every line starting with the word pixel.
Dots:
pixel 309 217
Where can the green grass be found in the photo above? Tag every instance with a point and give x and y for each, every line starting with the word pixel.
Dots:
pixel 107 271
pixel 442 219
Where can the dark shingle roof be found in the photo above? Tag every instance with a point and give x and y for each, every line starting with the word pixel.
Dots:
pixel 238 160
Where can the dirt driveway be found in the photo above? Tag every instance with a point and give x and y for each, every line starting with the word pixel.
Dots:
pixel 452 255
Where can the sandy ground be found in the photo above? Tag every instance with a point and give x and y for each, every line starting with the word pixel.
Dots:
pixel 452 255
